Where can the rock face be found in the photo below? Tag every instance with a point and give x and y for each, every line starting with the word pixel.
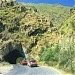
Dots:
pixel 11 51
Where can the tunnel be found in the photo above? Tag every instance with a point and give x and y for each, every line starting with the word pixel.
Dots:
pixel 12 56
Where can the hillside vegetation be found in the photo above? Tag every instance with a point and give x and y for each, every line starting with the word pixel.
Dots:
pixel 46 31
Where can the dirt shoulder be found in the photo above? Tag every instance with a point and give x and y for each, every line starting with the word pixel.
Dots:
pixel 64 73
pixel 1 74
pixel 61 71
pixel 4 67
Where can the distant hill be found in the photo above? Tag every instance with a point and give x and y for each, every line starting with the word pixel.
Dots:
pixel 54 12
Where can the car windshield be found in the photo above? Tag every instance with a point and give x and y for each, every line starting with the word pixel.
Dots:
pixel 33 60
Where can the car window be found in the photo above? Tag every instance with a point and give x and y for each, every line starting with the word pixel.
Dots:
pixel 33 60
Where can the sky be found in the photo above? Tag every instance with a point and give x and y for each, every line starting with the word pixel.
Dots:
pixel 62 2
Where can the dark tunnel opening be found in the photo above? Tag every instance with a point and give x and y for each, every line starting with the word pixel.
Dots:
pixel 12 56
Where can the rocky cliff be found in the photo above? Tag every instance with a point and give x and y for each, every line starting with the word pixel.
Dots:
pixel 32 26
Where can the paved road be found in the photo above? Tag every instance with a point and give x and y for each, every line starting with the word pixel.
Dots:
pixel 26 70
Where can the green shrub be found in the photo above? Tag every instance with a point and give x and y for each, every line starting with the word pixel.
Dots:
pixel 19 59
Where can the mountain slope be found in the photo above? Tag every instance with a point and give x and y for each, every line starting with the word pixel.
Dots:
pixel 42 29
pixel 27 23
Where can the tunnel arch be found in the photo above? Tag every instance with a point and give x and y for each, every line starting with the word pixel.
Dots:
pixel 12 56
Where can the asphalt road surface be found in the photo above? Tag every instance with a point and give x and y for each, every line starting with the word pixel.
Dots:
pixel 26 70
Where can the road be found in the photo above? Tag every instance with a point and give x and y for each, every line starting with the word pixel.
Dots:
pixel 26 70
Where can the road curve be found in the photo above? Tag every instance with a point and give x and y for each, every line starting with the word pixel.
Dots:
pixel 26 70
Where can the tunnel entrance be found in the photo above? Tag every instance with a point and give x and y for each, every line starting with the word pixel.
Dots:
pixel 12 56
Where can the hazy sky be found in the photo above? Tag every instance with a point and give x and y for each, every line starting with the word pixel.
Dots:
pixel 63 2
